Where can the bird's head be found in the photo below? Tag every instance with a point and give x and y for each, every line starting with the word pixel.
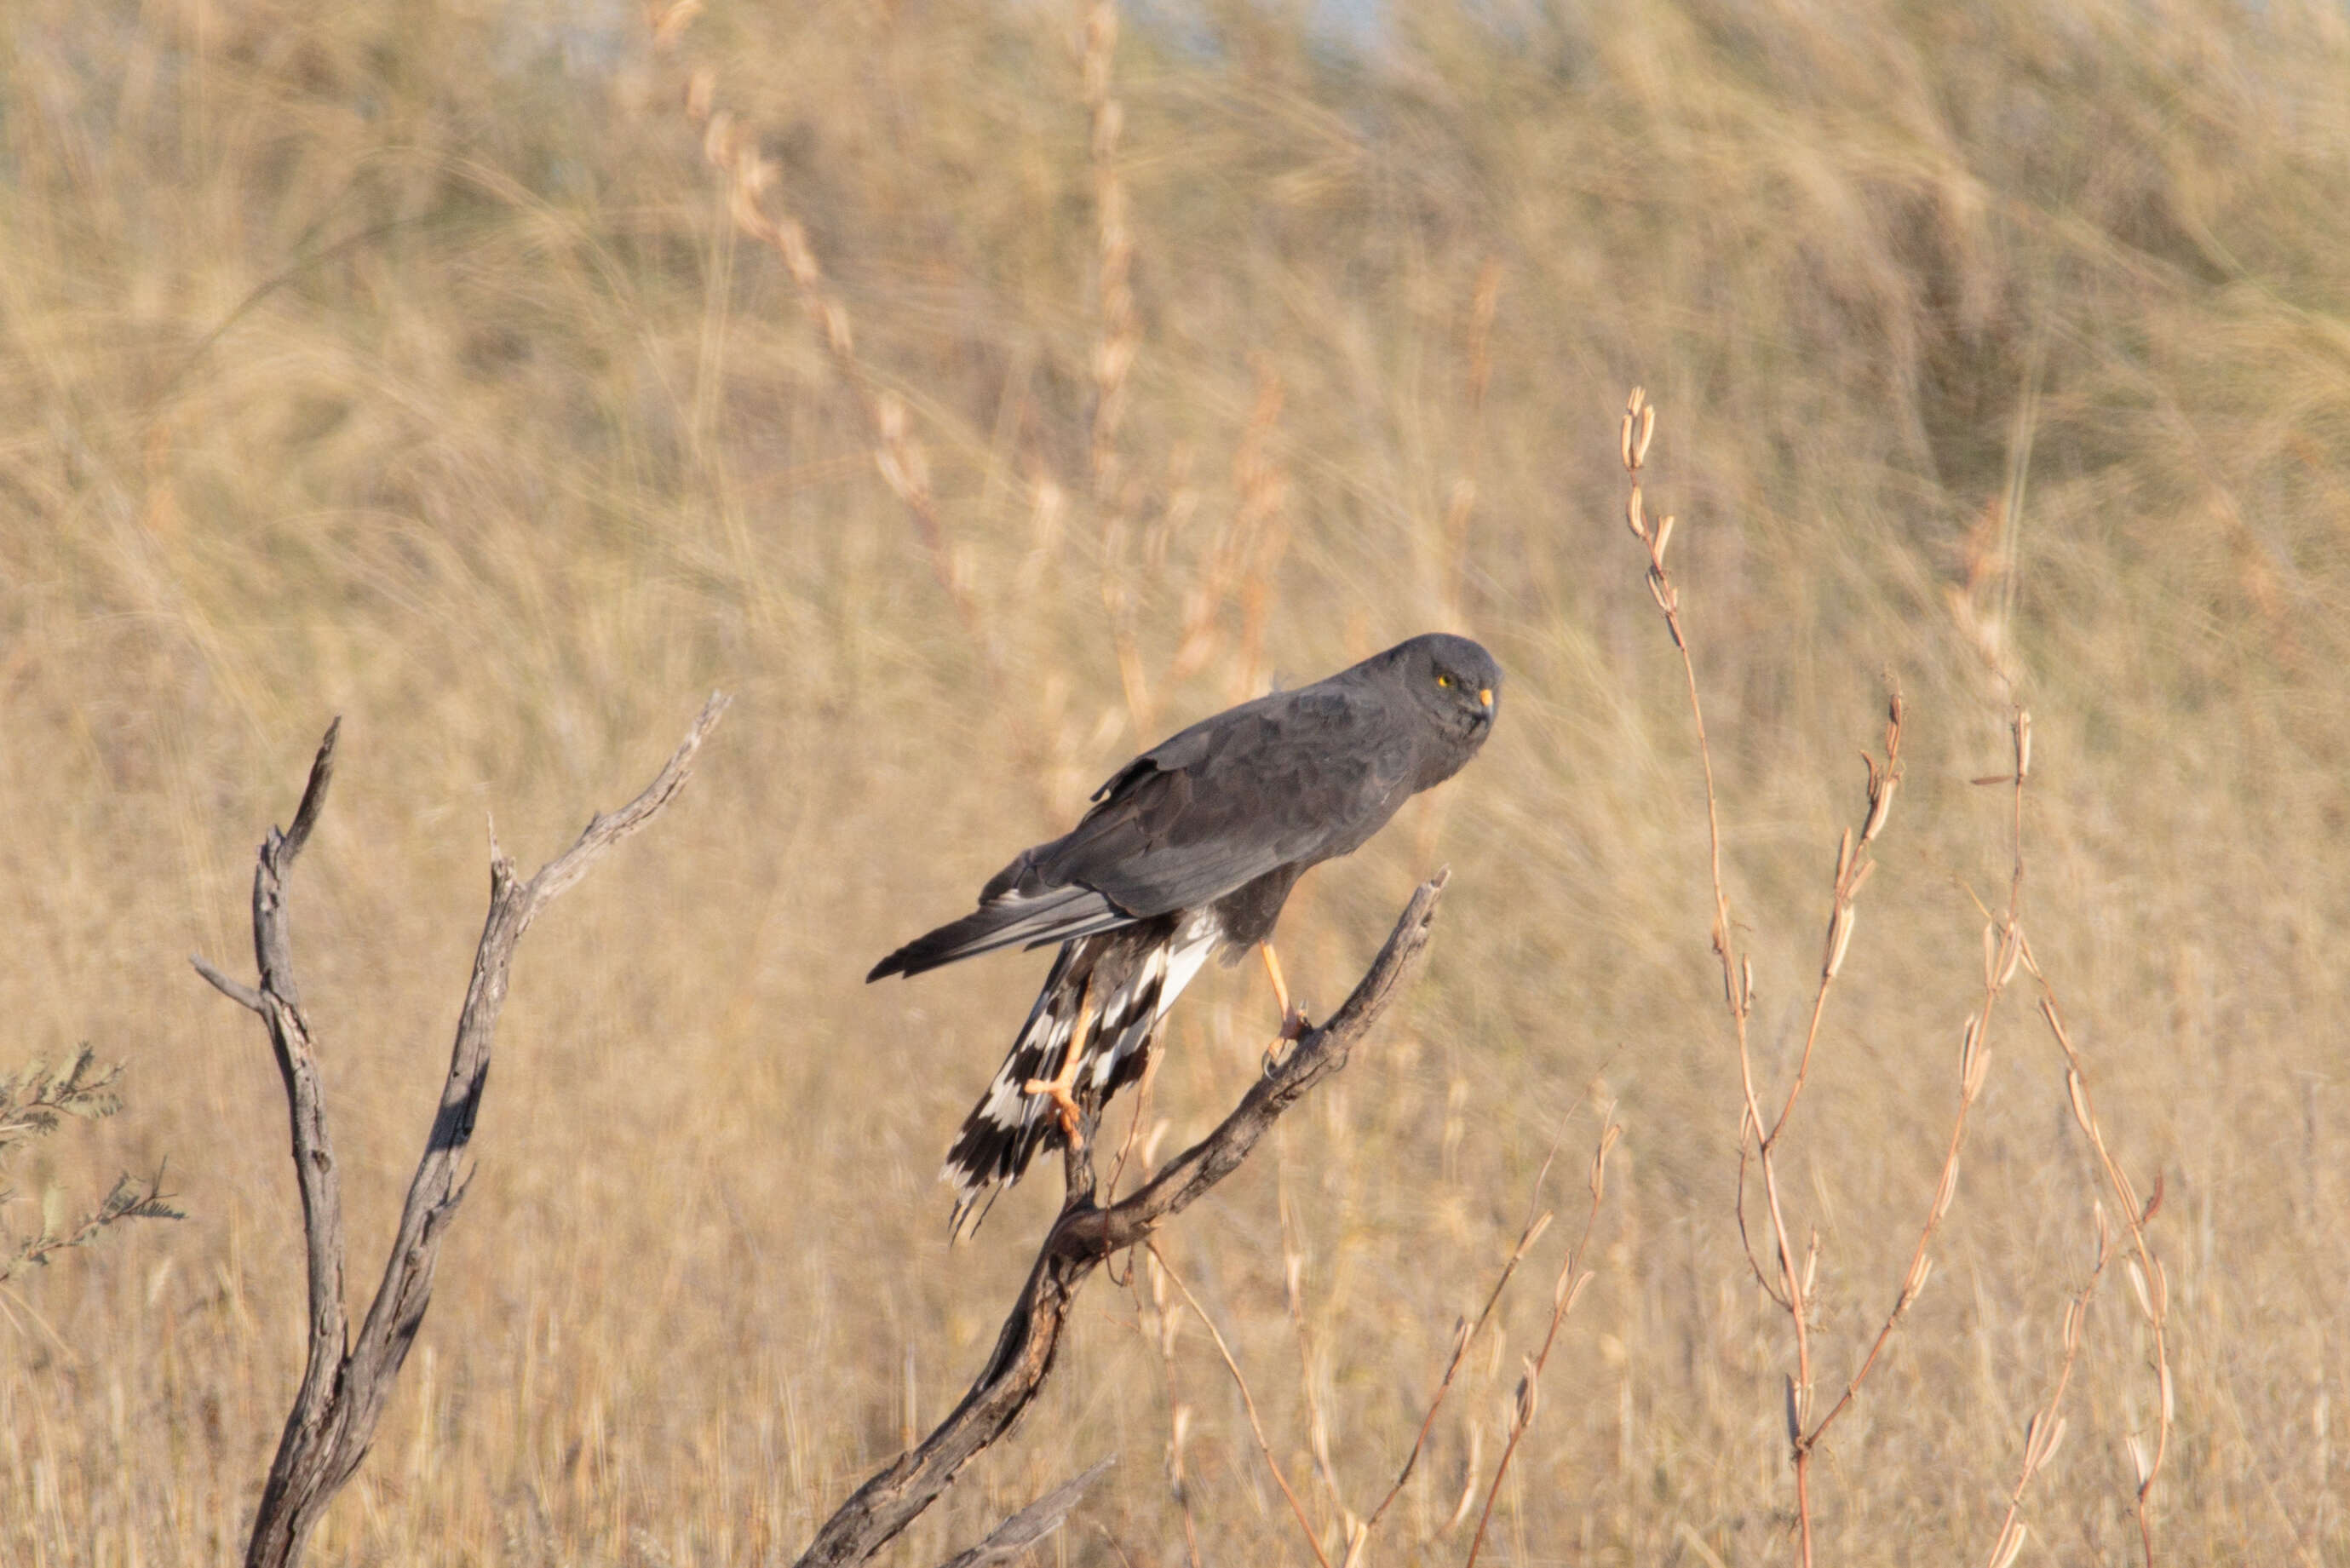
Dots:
pixel 1455 681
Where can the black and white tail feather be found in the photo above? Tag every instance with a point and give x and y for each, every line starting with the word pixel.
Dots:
pixel 1126 979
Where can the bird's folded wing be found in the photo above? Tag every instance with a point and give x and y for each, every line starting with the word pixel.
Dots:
pixel 1292 778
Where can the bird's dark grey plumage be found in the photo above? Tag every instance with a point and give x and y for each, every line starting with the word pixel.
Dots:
pixel 1192 845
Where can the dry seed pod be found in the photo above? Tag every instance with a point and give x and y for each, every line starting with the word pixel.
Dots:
pixel 1839 938
pixel 2033 1430
pixel 2010 1544
pixel 1880 798
pixel 2138 1284
pixel 1794 1415
pixel 2055 1440
pixel 2079 1091
pixel 1976 1066
pixel 2022 744
pixel 1664 536
pixel 1647 429
pixel 2129 1193
pixel 672 21
pixel 1534 1233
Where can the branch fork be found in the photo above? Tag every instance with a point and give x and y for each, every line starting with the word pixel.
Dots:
pixel 345 1383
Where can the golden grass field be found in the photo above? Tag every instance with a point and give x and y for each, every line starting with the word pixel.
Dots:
pixel 459 370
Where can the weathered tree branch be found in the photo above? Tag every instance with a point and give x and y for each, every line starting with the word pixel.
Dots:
pixel 1087 1234
pixel 345 1385
pixel 1032 1523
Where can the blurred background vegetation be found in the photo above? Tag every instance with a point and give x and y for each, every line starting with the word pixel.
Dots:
pixel 409 362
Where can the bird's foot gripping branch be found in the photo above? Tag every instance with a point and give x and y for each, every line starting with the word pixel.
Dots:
pixel 1084 1234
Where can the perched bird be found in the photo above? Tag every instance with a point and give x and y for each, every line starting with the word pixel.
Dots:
pixel 1192 846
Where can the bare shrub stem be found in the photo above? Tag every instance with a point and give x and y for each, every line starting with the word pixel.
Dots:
pixel 1758 1140
pixel 2150 1284
pixel 1573 1276
pixel 2046 1428
pixel 1248 1403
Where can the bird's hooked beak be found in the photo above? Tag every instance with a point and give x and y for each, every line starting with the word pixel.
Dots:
pixel 1484 715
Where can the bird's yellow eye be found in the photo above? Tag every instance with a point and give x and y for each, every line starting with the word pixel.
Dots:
pixel 1444 680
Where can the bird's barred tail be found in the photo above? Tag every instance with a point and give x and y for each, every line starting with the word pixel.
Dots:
pixel 1130 976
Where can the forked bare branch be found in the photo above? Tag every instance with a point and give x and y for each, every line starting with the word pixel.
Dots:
pixel 1008 1539
pixel 345 1385
pixel 1085 1234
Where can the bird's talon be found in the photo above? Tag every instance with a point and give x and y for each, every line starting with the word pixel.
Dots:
pixel 1065 1108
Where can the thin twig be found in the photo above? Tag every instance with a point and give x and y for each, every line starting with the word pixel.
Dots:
pixel 1572 1277
pixel 1032 1524
pixel 1737 972
pixel 1292 1273
pixel 2046 1428
pixel 2002 950
pixel 1178 1415
pixel 1464 1333
pixel 2150 1284
pixel 758 211
pixel 1248 1402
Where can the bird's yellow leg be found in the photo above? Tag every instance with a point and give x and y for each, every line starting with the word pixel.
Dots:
pixel 1293 1022
pixel 1065 1104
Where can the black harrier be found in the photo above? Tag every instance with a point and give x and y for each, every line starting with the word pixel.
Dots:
pixel 1192 845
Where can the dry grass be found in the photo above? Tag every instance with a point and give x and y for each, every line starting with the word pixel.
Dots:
pixel 416 364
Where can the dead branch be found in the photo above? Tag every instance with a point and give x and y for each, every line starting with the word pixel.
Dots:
pixel 1032 1523
pixel 1085 1235
pixel 344 1385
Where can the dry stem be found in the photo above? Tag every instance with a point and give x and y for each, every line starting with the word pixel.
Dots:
pixel 1248 1402
pixel 1758 1142
pixel 2046 1428
pixel 2150 1283
pixel 758 211
pixel 1572 1277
